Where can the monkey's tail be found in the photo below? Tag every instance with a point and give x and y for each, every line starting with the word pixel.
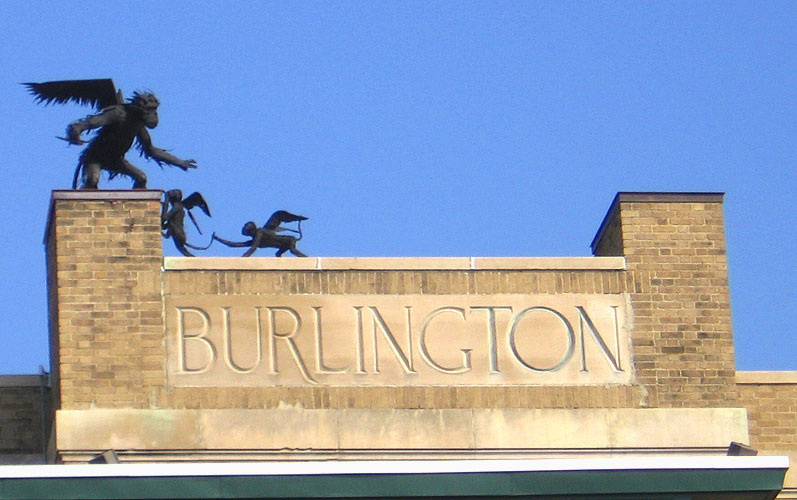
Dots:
pixel 76 175
pixel 300 231
pixel 212 237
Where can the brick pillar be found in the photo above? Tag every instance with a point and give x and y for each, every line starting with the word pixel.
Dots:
pixel 104 259
pixel 674 246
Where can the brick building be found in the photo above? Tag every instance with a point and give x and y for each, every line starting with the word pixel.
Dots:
pixel 573 377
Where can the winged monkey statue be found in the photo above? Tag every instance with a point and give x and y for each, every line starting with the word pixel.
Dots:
pixel 173 212
pixel 119 123
pixel 267 237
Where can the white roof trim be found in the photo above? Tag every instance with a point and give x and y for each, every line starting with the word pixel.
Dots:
pixel 343 467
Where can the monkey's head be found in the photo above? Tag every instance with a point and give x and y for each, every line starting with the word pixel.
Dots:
pixel 147 104
pixel 249 229
pixel 174 195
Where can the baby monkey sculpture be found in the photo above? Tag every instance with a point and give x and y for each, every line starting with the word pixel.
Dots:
pixel 173 213
pixel 120 123
pixel 267 237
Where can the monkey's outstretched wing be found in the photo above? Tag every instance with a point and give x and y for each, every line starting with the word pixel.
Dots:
pixel 279 217
pixel 196 200
pixel 99 93
pixel 192 201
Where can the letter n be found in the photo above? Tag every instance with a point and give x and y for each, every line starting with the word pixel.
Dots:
pixel 584 319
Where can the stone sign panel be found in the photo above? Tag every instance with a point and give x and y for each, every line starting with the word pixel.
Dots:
pixel 398 340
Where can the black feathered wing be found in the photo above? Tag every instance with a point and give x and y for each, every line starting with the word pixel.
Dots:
pixel 192 201
pixel 279 217
pixel 99 93
pixel 196 200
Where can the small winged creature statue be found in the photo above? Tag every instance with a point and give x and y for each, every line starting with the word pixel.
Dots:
pixel 267 237
pixel 119 123
pixel 173 213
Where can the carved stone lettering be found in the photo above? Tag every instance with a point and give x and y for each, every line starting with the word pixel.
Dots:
pixel 372 340
pixel 466 365
pixel 228 343
pixel 184 334
pixel 401 356
pixel 320 367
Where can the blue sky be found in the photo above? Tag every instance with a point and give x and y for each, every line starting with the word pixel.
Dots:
pixel 420 128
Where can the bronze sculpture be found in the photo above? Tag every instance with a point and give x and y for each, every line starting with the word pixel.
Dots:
pixel 119 123
pixel 267 237
pixel 173 213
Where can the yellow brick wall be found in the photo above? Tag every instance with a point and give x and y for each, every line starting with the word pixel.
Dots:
pixel 771 402
pixel 674 246
pixel 104 257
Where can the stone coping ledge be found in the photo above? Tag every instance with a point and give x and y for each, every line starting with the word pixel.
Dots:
pixel 20 380
pixel 766 377
pixel 394 263
pixel 107 194
pixel 670 197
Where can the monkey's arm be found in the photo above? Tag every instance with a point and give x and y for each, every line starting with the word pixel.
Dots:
pixel 255 243
pixel 232 243
pixel 168 213
pixel 164 213
pixel 108 116
pixel 148 150
pixel 167 219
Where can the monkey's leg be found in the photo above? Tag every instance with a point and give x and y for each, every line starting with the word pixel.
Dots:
pixel 296 252
pixel 181 247
pixel 178 235
pixel 138 175
pixel 91 175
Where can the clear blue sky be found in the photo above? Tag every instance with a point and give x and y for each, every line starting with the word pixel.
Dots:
pixel 421 128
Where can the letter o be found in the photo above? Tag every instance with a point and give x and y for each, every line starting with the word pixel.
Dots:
pixel 571 339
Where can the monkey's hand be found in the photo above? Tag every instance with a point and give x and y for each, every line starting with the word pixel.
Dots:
pixel 73 135
pixel 186 164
